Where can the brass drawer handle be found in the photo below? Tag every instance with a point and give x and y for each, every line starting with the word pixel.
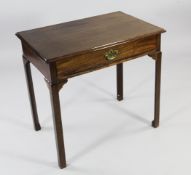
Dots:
pixel 111 54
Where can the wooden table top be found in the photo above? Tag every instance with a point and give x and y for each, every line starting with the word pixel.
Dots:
pixel 58 41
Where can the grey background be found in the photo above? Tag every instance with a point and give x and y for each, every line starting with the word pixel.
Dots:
pixel 102 136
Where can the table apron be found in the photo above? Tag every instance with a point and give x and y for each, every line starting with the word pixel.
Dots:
pixel 94 60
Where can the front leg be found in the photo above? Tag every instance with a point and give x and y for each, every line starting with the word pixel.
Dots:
pixel 57 121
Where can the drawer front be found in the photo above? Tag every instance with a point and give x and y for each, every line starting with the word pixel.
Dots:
pixel 98 59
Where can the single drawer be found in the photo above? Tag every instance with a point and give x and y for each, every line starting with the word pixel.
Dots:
pixel 99 58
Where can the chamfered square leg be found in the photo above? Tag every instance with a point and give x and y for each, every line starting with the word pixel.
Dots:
pixel 57 121
pixel 119 81
pixel 158 59
pixel 31 94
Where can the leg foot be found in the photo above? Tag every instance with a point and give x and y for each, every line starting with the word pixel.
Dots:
pixel 154 124
pixel 37 127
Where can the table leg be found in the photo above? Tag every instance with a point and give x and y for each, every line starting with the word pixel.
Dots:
pixel 55 103
pixel 158 59
pixel 120 81
pixel 31 94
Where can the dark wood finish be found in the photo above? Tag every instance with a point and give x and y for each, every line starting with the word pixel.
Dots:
pixel 70 49
pixel 31 94
pixel 80 64
pixel 42 66
pixel 158 58
pixel 55 103
pixel 81 36
pixel 119 81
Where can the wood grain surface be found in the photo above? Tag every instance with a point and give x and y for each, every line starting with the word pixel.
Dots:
pixel 81 36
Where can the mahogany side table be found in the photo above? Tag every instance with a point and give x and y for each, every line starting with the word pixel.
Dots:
pixel 70 49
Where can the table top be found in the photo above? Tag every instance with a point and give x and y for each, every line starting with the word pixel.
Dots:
pixel 58 41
